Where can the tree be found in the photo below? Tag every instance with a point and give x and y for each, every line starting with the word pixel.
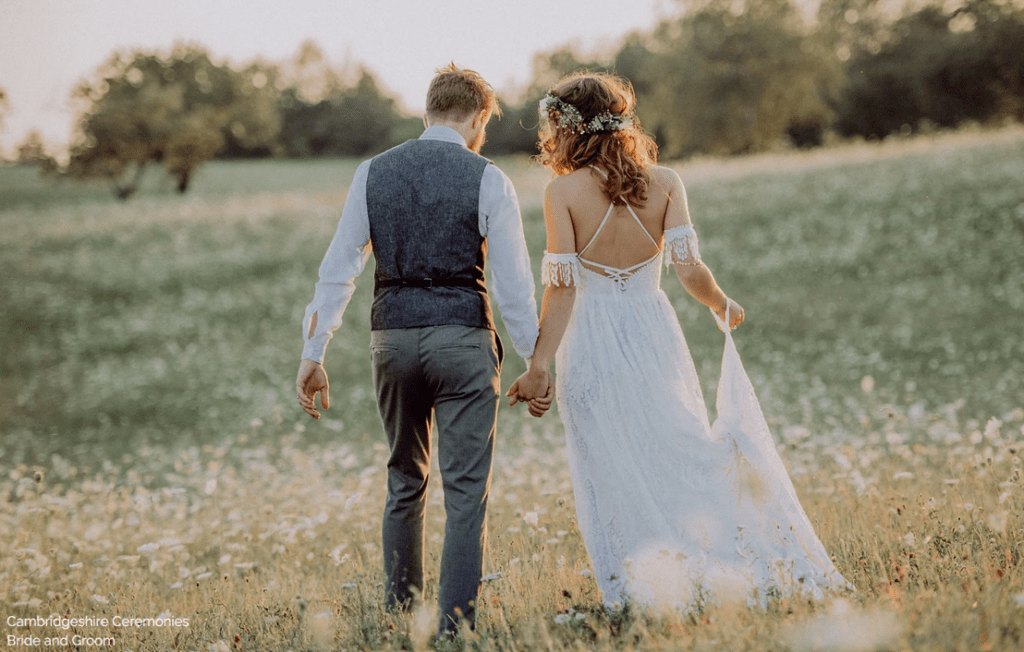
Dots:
pixel 549 67
pixel 4 108
pixel 941 64
pixel 353 121
pixel 254 132
pixel 32 149
pixel 311 74
pixel 735 77
pixel 174 110
pixel 516 131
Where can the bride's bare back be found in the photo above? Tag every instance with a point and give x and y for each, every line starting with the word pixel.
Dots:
pixel 621 243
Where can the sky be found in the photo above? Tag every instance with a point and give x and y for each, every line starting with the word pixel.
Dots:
pixel 46 46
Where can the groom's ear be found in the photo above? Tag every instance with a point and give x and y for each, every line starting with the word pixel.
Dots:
pixel 480 119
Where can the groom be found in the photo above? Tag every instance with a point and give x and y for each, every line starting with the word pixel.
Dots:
pixel 430 210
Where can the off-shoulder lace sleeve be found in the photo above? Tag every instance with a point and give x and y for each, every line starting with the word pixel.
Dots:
pixel 560 270
pixel 681 245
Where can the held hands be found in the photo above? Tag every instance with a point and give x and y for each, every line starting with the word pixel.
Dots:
pixel 312 379
pixel 736 314
pixel 535 389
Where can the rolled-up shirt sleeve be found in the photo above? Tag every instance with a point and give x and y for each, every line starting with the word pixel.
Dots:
pixel 511 279
pixel 345 259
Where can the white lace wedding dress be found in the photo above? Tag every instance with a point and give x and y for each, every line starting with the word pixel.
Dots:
pixel 674 512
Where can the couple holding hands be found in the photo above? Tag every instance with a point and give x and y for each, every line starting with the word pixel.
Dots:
pixel 662 496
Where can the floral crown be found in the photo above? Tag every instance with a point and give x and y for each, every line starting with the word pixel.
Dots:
pixel 569 117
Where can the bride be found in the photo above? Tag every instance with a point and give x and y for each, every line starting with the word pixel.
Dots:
pixel 674 511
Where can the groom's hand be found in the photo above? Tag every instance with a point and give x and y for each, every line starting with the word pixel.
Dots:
pixel 312 378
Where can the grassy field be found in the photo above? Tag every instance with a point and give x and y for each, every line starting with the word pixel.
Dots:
pixel 153 461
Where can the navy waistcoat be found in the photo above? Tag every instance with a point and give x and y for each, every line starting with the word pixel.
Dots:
pixel 423 202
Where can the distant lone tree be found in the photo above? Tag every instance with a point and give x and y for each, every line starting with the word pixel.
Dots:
pixel 176 111
pixel 4 107
pixel 32 149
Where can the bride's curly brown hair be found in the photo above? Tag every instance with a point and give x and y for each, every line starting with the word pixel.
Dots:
pixel 625 154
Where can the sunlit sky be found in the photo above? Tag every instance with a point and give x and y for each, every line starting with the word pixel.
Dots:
pixel 46 46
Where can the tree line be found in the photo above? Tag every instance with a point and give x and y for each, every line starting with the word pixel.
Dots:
pixel 730 77
pixel 722 77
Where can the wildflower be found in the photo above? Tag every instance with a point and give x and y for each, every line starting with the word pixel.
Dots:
pixel 992 428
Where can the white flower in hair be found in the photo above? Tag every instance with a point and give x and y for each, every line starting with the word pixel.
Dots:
pixel 569 117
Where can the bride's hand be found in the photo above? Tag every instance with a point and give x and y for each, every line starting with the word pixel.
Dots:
pixel 538 406
pixel 736 314
pixel 531 385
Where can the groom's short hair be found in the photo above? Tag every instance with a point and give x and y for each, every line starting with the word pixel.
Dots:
pixel 459 92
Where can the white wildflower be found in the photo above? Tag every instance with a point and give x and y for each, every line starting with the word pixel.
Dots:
pixel 992 428
pixel 336 555
pixel 997 521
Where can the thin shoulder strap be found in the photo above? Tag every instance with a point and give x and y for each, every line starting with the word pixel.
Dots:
pixel 603 222
pixel 642 227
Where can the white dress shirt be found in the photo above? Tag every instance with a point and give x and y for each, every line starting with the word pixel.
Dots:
pixel 500 222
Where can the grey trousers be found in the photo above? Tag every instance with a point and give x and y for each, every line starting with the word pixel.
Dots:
pixel 450 373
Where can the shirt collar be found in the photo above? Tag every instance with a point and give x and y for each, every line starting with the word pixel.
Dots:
pixel 447 134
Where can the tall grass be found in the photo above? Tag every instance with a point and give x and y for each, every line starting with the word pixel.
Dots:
pixel 155 463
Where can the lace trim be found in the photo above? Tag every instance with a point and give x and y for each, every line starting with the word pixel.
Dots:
pixel 560 270
pixel 681 243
